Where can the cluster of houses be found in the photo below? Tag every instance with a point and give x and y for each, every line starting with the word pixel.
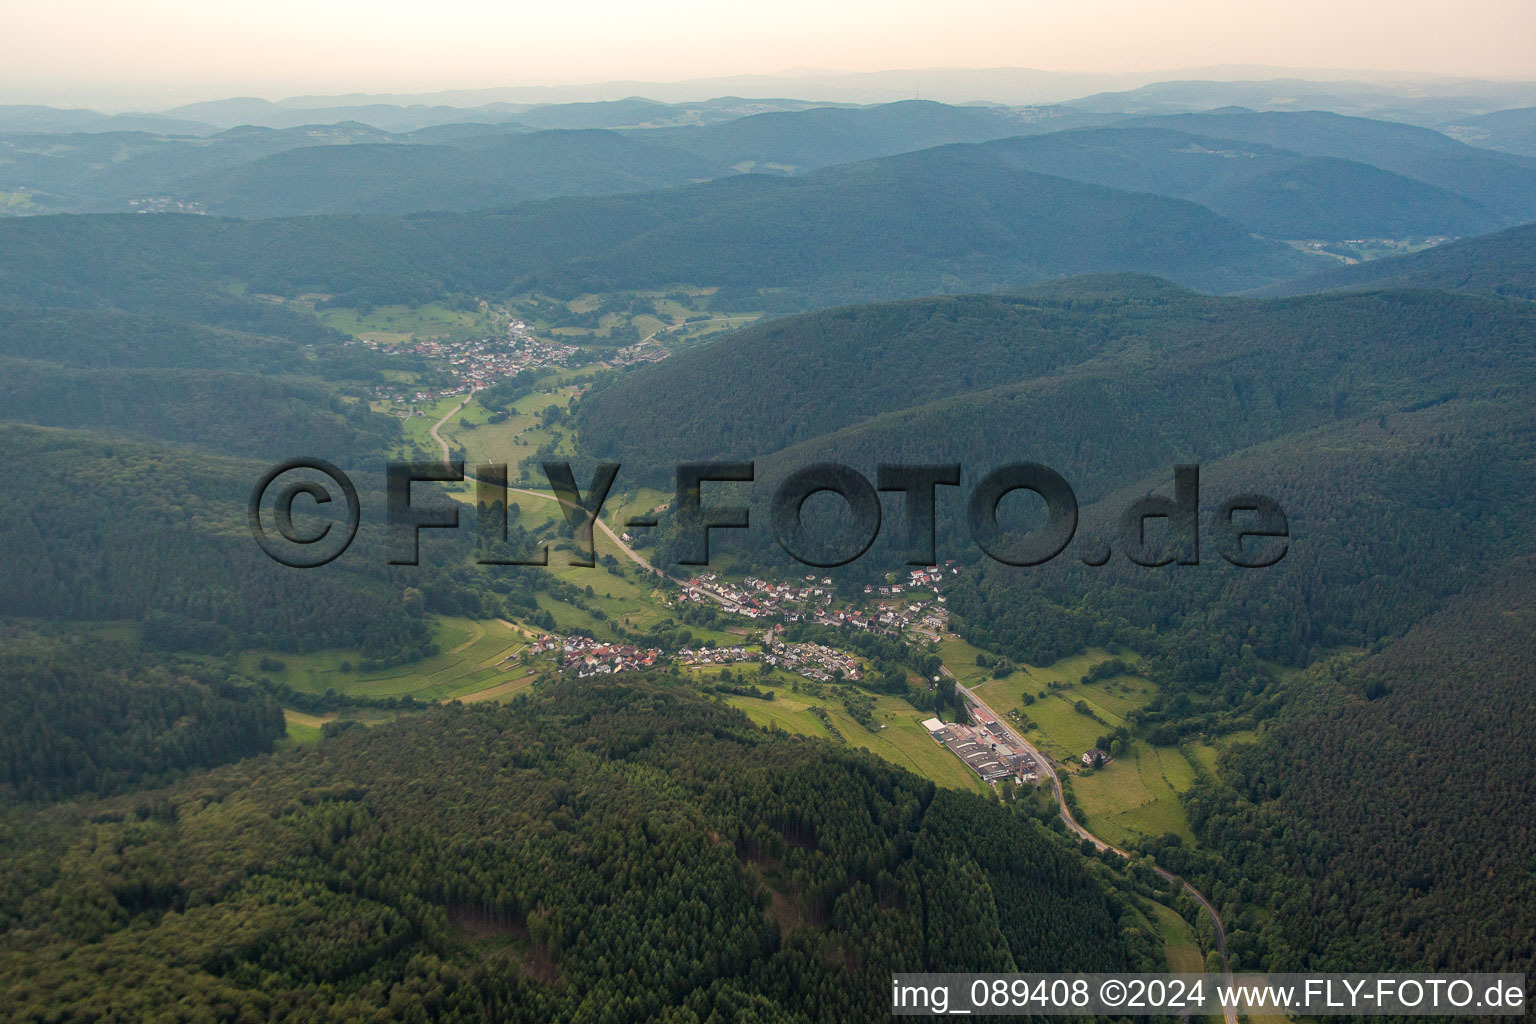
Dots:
pixel 810 600
pixel 986 746
pixel 759 599
pixel 478 364
pixel 589 657
pixel 716 655
pixel 931 578
pixel 813 661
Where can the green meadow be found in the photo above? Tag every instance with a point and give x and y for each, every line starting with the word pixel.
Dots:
pixel 399 325
pixel 903 741
pixel 472 656
pixel 1137 795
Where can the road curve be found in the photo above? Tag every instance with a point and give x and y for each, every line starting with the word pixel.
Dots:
pixel 1066 816
pixel 1040 759
pixel 618 542
pixel 447 457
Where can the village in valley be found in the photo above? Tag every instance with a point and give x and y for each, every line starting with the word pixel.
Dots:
pixel 910 609
pixel 898 611
pixel 907 607
pixel 475 364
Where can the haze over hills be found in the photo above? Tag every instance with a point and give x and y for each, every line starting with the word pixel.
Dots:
pixel 1499 181
pixel 1513 131
pixel 1422 102
pixel 1366 179
pixel 629 112
pixel 938 220
pixel 605 788
pixel 1368 92
pixel 1277 193
pixel 484 172
pixel 1498 264
pixel 801 141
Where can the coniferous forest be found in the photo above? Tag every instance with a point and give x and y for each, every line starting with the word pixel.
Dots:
pixel 461 772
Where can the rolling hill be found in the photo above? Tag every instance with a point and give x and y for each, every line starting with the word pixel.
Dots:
pixel 942 220
pixel 1497 264
pixel 1512 131
pixel 1500 182
pixel 478 173
pixel 1091 358
pixel 1315 401
pixel 1421 740
pixel 1275 192
pixel 947 220
pixel 608 849
pixel 798 141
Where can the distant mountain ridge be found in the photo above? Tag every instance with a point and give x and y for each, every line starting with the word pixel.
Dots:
pixel 483 172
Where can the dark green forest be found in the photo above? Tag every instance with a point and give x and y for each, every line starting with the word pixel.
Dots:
pixel 608 852
pixel 1386 819
pixel 633 847
pixel 98 717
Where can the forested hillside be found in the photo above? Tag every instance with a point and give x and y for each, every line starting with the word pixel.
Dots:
pixel 1498 264
pixel 112 529
pixel 941 220
pixel 1385 821
pixel 608 852
pixel 1359 414
pixel 101 718
pixel 1104 375
pixel 946 220
pixel 1275 192
pixel 474 174
pixel 1500 182
pixel 798 141
pixel 836 368
pixel 237 413
pixel 465 790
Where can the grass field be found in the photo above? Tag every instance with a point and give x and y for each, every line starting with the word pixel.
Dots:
pixel 512 441
pixel 904 741
pixel 1179 942
pixel 1205 752
pixel 1137 795
pixel 658 311
pixel 304 728
pixel 470 659
pixel 397 325
pixel 1061 730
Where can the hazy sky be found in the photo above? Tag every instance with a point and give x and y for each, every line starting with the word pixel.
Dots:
pixel 111 53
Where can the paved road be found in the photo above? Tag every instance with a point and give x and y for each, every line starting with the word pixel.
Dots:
pixel 1040 759
pixel 447 457
pixel 618 542
pixel 1066 816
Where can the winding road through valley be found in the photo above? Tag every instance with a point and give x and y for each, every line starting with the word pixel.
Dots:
pixel 1100 844
pixel 1040 759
